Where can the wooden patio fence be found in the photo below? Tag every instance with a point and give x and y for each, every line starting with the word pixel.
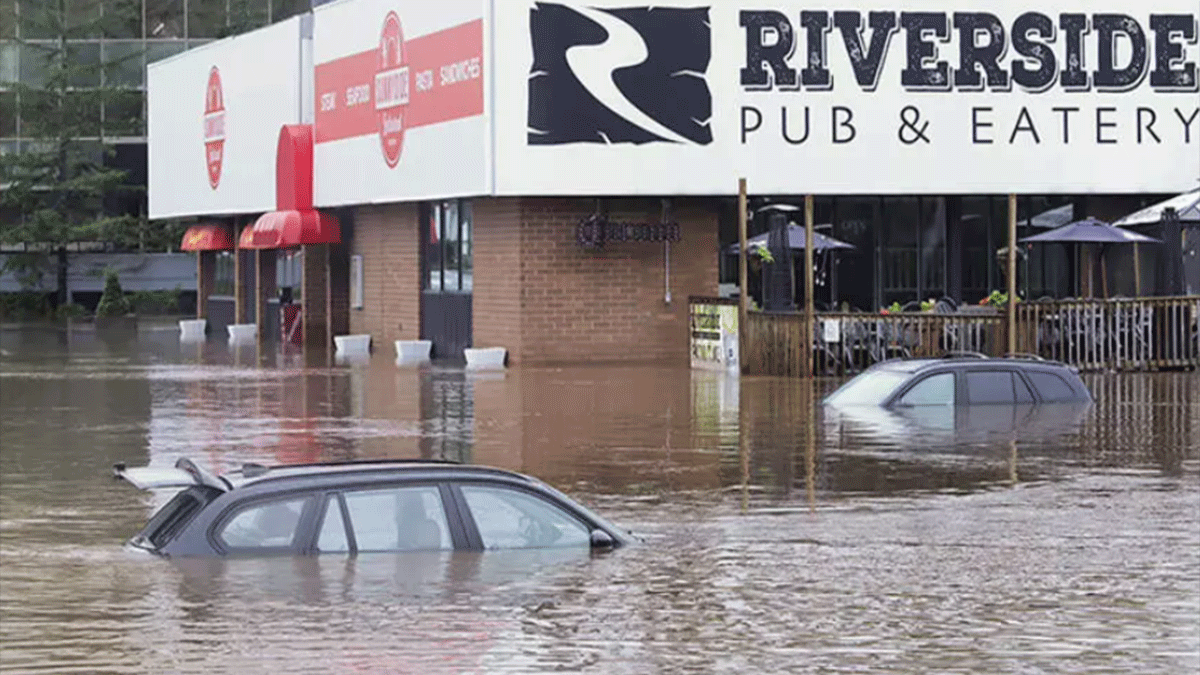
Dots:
pixel 1119 334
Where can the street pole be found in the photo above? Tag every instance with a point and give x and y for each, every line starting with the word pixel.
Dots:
pixel 743 292
pixel 1012 274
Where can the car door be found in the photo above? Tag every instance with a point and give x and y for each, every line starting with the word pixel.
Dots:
pixel 388 518
pixel 502 516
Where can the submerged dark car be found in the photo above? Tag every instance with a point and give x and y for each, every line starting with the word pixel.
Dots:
pixel 962 381
pixel 356 507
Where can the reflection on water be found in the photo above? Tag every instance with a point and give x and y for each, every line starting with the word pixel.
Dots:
pixel 1015 540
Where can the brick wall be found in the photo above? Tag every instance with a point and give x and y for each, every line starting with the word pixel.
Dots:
pixel 206 280
pixel 313 295
pixel 575 304
pixel 387 238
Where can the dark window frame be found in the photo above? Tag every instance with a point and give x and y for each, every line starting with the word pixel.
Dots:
pixel 434 257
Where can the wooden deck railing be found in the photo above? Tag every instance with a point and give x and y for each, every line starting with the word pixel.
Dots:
pixel 1122 334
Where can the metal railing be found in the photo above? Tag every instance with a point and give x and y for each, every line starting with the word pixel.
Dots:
pixel 1118 334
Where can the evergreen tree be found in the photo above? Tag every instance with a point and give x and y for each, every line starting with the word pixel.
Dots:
pixel 113 301
pixel 57 186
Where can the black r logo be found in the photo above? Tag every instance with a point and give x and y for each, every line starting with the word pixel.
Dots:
pixel 623 75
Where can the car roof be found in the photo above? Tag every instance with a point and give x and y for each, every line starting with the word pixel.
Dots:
pixel 187 473
pixel 968 360
pixel 252 474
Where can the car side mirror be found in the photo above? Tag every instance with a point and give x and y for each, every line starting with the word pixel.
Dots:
pixel 602 539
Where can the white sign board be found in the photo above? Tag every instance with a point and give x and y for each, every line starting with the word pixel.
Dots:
pixel 214 115
pixel 400 112
pixel 683 97
pixel 714 340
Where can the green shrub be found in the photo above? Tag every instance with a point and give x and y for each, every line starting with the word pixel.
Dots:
pixel 113 302
pixel 24 305
pixel 71 310
pixel 155 302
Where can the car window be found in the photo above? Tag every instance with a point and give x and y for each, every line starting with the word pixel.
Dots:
pixel 1022 389
pixel 869 388
pixel 1051 387
pixel 933 390
pixel 989 386
pixel 332 537
pixel 270 524
pixel 399 519
pixel 508 518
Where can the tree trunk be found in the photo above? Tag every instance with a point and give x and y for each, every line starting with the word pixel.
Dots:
pixel 64 294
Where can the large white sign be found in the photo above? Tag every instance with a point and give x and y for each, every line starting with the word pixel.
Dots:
pixel 400 111
pixel 685 96
pixel 214 115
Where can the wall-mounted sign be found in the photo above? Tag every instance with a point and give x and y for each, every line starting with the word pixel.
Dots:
pixel 594 231
pixel 679 97
pixel 400 105
pixel 714 336
pixel 213 120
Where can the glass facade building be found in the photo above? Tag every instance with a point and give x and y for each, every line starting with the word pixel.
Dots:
pixel 118 37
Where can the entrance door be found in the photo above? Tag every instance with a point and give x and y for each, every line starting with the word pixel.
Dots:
pixel 447 277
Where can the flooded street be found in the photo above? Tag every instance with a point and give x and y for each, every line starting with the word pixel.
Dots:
pixel 1036 541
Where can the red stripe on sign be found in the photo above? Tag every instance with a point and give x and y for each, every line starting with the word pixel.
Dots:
pixel 445 83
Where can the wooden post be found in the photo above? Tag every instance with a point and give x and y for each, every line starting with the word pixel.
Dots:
pixel 239 288
pixel 1137 272
pixel 744 291
pixel 1012 274
pixel 809 304
pixel 328 304
pixel 260 302
pixel 201 294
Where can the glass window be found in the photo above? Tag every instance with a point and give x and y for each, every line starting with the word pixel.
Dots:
pixel 399 519
pixel 508 518
pixel 871 388
pixel 332 537
pixel 123 18
pixel 450 249
pixel 164 19
pixel 8 114
pixel 989 386
pixel 933 390
pixel 356 282
pixel 1051 387
pixel 1022 390
pixel 124 114
pixel 83 18
pixel 8 19
pixel 158 50
pixel 84 60
pixel 84 108
pixel 9 63
pixel 466 265
pixel 123 65
pixel 35 62
pixel 38 20
pixel 264 525
pixel 433 258
pixel 223 283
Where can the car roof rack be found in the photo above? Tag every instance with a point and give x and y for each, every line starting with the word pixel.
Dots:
pixel 964 354
pixel 1023 356
pixel 254 469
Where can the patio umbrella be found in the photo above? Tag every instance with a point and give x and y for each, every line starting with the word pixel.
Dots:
pixel 1186 205
pixel 1091 231
pixel 796 240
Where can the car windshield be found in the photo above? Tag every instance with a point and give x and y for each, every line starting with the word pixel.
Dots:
pixel 869 388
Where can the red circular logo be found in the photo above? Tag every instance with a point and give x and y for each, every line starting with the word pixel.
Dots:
pixel 214 127
pixel 391 89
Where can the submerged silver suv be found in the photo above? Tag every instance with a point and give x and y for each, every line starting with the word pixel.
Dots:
pixel 356 507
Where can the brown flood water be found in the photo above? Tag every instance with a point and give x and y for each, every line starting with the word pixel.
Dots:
pixel 1032 541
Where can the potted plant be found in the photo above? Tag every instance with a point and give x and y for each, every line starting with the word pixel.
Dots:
pixel 114 310
pixel 997 300
pixel 758 256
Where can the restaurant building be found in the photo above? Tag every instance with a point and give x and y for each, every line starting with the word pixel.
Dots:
pixel 557 178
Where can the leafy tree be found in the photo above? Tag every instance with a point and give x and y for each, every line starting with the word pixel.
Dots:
pixel 113 301
pixel 58 190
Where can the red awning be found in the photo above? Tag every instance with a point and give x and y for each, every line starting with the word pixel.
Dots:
pixel 284 229
pixel 246 239
pixel 211 237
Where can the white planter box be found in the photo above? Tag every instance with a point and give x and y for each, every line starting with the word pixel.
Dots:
pixel 192 330
pixel 240 333
pixel 352 345
pixel 489 358
pixel 412 351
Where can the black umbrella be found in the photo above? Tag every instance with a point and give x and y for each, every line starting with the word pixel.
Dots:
pixel 1091 231
pixel 796 240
